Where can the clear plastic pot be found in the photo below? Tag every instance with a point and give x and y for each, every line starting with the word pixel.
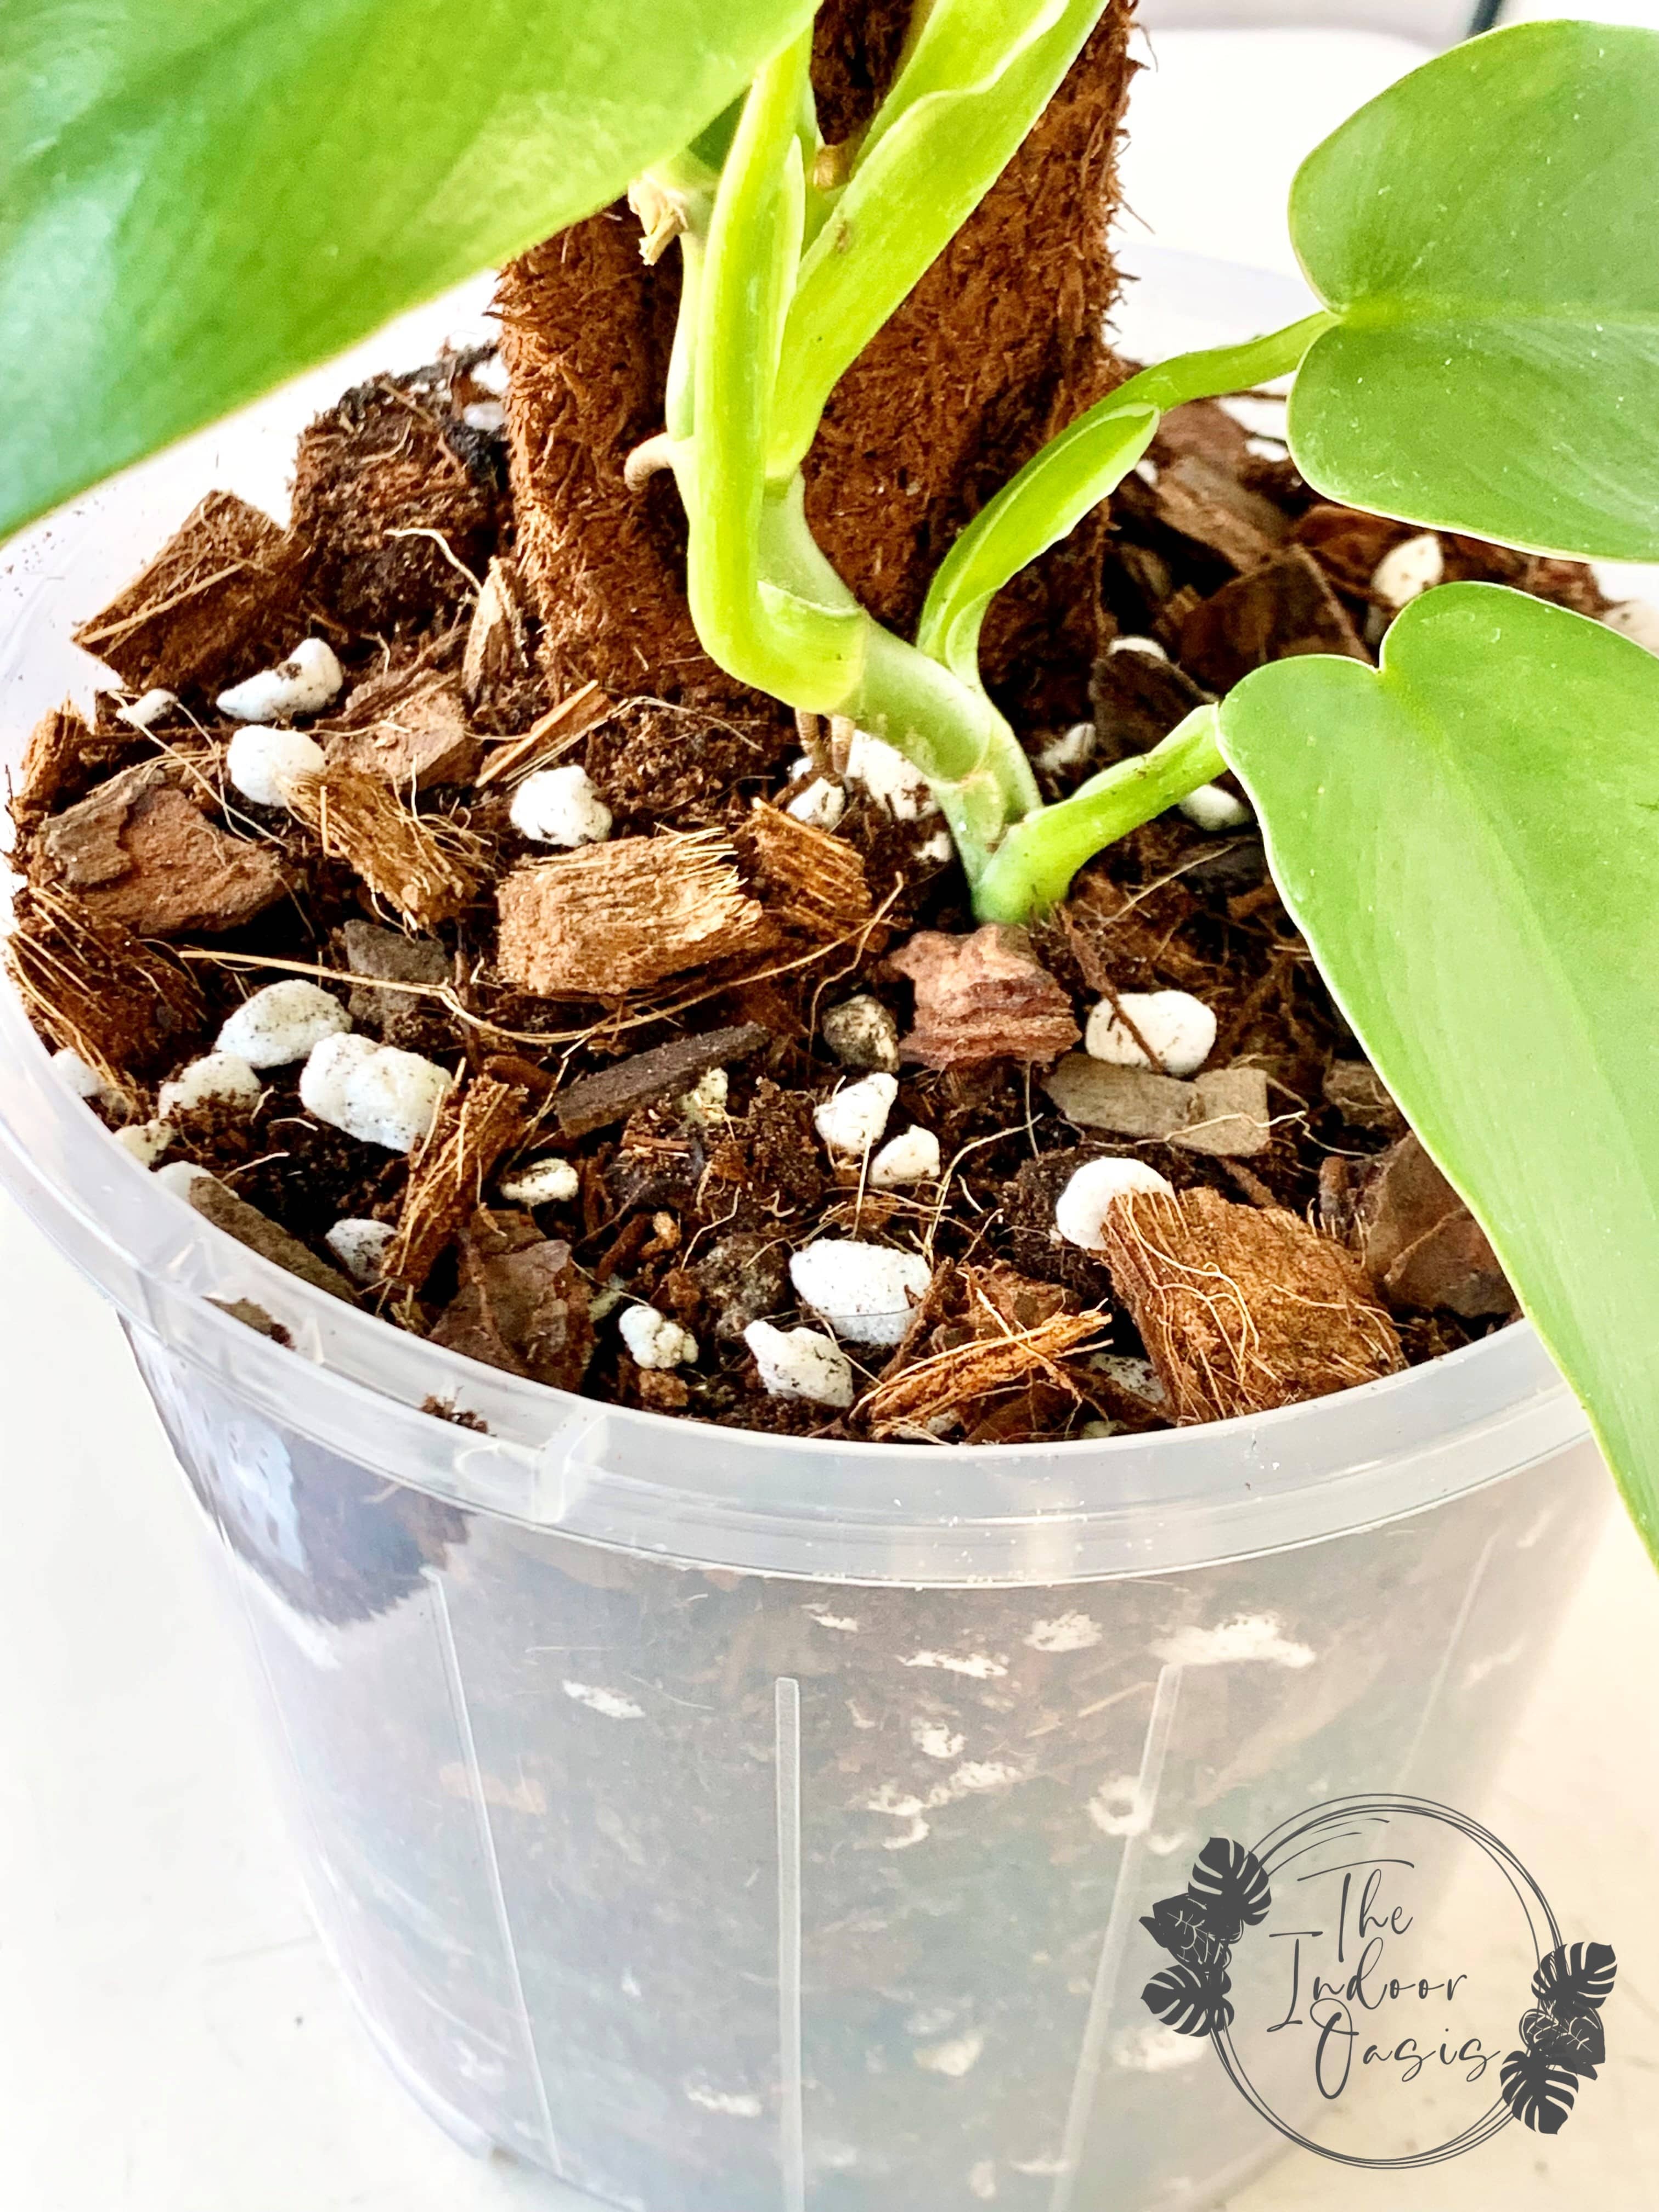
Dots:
pixel 732 1824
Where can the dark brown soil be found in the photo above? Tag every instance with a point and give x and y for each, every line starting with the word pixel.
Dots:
pixel 579 996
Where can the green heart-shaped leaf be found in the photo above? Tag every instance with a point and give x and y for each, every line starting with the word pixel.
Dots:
pixel 1470 843
pixel 198 197
pixel 1487 232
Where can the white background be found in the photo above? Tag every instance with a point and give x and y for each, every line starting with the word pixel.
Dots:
pixel 172 2039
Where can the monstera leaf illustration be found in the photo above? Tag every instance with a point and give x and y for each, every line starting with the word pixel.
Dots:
pixel 1231 1884
pixel 1579 2043
pixel 1538 2091
pixel 1181 1926
pixel 1191 2002
pixel 1576 1979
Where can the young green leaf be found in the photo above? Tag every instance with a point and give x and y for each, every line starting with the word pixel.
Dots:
pixel 979 75
pixel 1485 231
pixel 1470 843
pixel 198 197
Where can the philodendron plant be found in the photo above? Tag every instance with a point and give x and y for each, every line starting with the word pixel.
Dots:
pixel 199 196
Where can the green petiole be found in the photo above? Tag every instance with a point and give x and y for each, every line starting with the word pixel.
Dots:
pixel 1033 866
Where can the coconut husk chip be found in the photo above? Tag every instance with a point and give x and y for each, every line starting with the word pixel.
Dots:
pixel 995 1332
pixel 52 760
pixel 613 919
pixel 475 1128
pixel 808 881
pixel 424 865
pixel 1244 1308
pixel 222 595
pixel 420 739
pixel 124 1006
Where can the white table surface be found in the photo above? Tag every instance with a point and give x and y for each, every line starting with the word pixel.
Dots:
pixel 172 2039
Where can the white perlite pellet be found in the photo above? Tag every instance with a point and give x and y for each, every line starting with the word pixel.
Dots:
pixel 302 684
pixel 146 1140
pixel 1410 570
pixel 862 1033
pixel 889 779
pixel 654 1341
pixel 800 1363
pixel 361 1247
pixel 560 806
pixel 1178 1032
pixel 705 1102
pixel 265 764
pixel 84 1081
pixel 282 1023
pixel 222 1077
pixel 542 1182
pixel 1069 749
pixel 147 710
pixel 865 1292
pixel 1080 1209
pixel 181 1177
pixel 854 1118
pixel 1215 808
pixel 912 1156
pixel 373 1092
pixel 820 804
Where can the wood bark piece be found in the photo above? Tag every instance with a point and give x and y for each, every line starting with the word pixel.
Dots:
pixel 1225 1113
pixel 216 1202
pixel 618 918
pixel 522 1305
pixel 128 1008
pixel 997 347
pixel 475 1128
pixel 1349 546
pixel 983 997
pixel 1415 1237
pixel 807 879
pixel 140 853
pixel 1357 1092
pixel 616 1092
pixel 1138 700
pixel 221 598
pixel 1244 1308
pixel 421 739
pixel 1205 502
pixel 1274 613
pixel 399 1017
pixel 421 864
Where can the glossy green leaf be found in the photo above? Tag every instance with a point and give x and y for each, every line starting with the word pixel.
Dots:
pixel 1488 231
pixel 1470 843
pixel 198 197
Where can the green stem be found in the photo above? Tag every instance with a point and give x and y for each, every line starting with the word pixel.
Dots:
pixel 1034 866
pixel 1075 471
